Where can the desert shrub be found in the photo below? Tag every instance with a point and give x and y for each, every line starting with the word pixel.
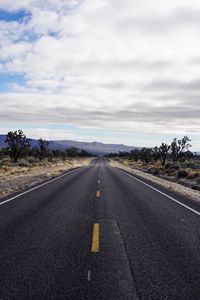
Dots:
pixel 197 174
pixel 168 165
pixel 171 171
pixel 198 180
pixel 156 172
pixel 152 171
pixel 7 162
pixel 173 166
pixel 33 160
pixel 144 164
pixel 5 168
pixel 190 176
pixel 182 160
pixel 42 163
pixel 23 164
pixel 196 166
pixel 193 175
pixel 182 173
pixel 176 166
pixel 192 165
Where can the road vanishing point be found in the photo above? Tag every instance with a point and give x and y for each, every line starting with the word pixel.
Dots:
pixel 98 232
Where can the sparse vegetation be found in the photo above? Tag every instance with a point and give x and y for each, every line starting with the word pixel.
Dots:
pixel 42 149
pixel 22 165
pixel 179 147
pixel 163 153
pixel 18 146
pixel 174 161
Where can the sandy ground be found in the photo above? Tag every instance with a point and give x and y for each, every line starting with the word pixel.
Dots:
pixel 194 195
pixel 16 179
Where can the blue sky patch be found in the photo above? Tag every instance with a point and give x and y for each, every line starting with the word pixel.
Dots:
pixel 6 80
pixel 13 16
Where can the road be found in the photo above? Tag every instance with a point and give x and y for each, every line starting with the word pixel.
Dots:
pixel 98 233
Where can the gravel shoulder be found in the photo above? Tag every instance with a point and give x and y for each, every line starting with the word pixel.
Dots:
pixel 182 190
pixel 17 179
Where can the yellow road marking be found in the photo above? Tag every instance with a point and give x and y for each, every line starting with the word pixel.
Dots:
pixel 95 238
pixel 98 194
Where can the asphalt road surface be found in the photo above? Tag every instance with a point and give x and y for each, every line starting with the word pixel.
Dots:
pixel 99 233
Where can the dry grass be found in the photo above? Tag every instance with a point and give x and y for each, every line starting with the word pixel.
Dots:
pixel 14 178
pixel 177 184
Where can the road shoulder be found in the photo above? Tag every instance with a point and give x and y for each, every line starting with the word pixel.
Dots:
pixel 14 182
pixel 171 186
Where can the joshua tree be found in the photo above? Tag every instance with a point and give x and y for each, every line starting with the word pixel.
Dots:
pixel 179 147
pixel 135 154
pixel 155 153
pixel 163 152
pixel 43 148
pixel 17 144
pixel 146 155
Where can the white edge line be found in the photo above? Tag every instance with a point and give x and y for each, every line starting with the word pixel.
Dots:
pixel 38 186
pixel 169 197
pixel 89 275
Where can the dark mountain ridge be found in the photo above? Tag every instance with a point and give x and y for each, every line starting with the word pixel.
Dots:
pixel 96 148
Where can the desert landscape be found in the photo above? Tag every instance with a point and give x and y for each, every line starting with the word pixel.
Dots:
pixel 30 172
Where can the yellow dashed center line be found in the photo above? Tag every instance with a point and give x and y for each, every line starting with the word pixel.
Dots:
pixel 98 194
pixel 95 238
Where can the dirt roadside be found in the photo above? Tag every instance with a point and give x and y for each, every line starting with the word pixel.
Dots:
pixel 185 191
pixel 17 179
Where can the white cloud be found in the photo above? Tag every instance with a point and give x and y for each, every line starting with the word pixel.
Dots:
pixel 104 64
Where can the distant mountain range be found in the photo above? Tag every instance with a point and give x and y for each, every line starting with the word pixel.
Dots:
pixel 95 148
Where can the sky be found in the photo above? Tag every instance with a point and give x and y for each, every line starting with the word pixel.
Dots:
pixel 115 71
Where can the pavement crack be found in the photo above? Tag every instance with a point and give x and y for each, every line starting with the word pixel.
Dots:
pixel 128 261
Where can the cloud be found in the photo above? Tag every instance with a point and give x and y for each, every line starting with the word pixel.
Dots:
pixel 103 64
pixel 48 109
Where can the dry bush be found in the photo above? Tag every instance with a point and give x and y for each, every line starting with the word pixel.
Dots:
pixel 193 175
pixel 182 173
pixel 24 164
pixel 153 171
pixel 33 160
pixel 7 162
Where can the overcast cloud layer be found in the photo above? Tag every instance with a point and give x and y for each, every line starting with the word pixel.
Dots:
pixel 102 65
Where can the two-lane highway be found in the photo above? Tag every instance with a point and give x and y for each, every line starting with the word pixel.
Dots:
pixel 98 233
